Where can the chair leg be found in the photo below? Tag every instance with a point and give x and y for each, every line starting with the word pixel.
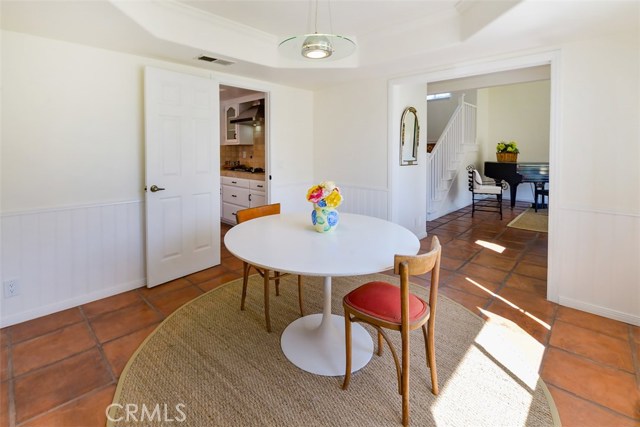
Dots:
pixel 379 343
pixel 245 279
pixel 429 342
pixel 500 203
pixel 300 303
pixel 405 377
pixel 347 338
pixel 473 204
pixel 266 300
pixel 277 273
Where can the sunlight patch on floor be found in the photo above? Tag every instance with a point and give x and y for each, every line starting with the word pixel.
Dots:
pixel 510 304
pixel 492 246
pixel 512 347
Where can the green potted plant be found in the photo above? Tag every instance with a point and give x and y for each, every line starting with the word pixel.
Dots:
pixel 507 151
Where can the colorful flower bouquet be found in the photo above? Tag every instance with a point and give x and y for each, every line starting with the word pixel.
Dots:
pixel 326 198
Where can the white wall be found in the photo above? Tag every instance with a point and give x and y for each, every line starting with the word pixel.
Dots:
pixel 521 113
pixel 597 185
pixel 517 112
pixel 72 159
pixel 439 112
pixel 351 144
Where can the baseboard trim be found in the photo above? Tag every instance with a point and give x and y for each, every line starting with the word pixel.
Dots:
pixel 599 310
pixel 70 303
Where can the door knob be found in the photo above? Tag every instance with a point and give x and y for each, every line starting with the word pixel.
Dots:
pixel 155 188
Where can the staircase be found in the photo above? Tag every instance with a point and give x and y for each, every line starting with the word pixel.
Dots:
pixel 446 158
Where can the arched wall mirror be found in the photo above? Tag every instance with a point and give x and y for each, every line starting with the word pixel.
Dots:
pixel 409 135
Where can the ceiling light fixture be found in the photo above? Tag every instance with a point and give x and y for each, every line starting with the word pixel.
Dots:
pixel 318 46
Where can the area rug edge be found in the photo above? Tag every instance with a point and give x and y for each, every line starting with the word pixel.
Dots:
pixel 125 371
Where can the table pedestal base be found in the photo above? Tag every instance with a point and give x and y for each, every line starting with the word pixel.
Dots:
pixel 315 343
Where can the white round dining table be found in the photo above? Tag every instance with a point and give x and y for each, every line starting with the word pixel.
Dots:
pixel 288 243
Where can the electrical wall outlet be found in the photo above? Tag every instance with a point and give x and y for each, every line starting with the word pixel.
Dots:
pixel 11 288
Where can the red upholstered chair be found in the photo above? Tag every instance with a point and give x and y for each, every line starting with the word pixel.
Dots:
pixel 249 214
pixel 383 305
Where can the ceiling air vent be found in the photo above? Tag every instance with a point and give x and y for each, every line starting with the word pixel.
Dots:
pixel 214 60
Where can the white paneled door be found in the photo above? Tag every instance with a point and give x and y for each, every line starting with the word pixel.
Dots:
pixel 182 174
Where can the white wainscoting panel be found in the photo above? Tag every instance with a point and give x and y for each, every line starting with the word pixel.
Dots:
pixel 596 265
pixel 70 256
pixel 365 201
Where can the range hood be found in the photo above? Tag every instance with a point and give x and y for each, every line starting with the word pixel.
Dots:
pixel 252 117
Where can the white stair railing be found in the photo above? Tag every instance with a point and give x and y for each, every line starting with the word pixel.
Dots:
pixel 447 155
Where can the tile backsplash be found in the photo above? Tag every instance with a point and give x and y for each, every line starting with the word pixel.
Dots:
pixel 255 154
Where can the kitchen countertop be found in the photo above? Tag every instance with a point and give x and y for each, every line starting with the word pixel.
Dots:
pixel 240 174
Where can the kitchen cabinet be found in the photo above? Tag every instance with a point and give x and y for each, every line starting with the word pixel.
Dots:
pixel 257 195
pixel 228 130
pixel 240 193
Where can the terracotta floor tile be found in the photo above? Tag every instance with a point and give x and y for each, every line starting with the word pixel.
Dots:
pixel 471 302
pixel 217 281
pixel 593 322
pixel 530 302
pixel 478 287
pixel 494 261
pixel 474 235
pixel 635 331
pixel 113 303
pixel 208 274
pixel 42 325
pixel 593 345
pixel 577 412
pixel 483 274
pixel 168 302
pixel 455 227
pixel 615 389
pixel 442 235
pixel 52 347
pixel 459 249
pixel 234 264
pixel 518 235
pixel 120 350
pixel 528 322
pixel 531 270
pixel 165 287
pixel 452 264
pixel 532 258
pixel 4 364
pixel 527 284
pixel 87 411
pixel 46 388
pixel 4 404
pixel 124 321
pixel 5 337
pixel 512 245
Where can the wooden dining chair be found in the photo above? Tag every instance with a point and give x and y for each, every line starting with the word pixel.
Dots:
pixel 249 214
pixel 383 305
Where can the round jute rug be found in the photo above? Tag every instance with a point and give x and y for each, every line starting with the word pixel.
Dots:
pixel 210 364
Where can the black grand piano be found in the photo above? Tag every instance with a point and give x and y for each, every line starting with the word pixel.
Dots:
pixel 515 173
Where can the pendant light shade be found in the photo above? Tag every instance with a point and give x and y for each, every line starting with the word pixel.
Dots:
pixel 316 46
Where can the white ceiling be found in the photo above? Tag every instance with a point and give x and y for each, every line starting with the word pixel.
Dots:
pixel 395 37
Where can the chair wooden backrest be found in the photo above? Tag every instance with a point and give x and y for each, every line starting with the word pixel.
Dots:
pixel 252 213
pixel 413 265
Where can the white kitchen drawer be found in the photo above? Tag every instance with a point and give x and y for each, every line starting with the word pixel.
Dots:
pixel 235 195
pixel 229 212
pixel 257 185
pixel 257 199
pixel 235 182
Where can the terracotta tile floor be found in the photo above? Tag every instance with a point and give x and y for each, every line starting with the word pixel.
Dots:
pixel 62 369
